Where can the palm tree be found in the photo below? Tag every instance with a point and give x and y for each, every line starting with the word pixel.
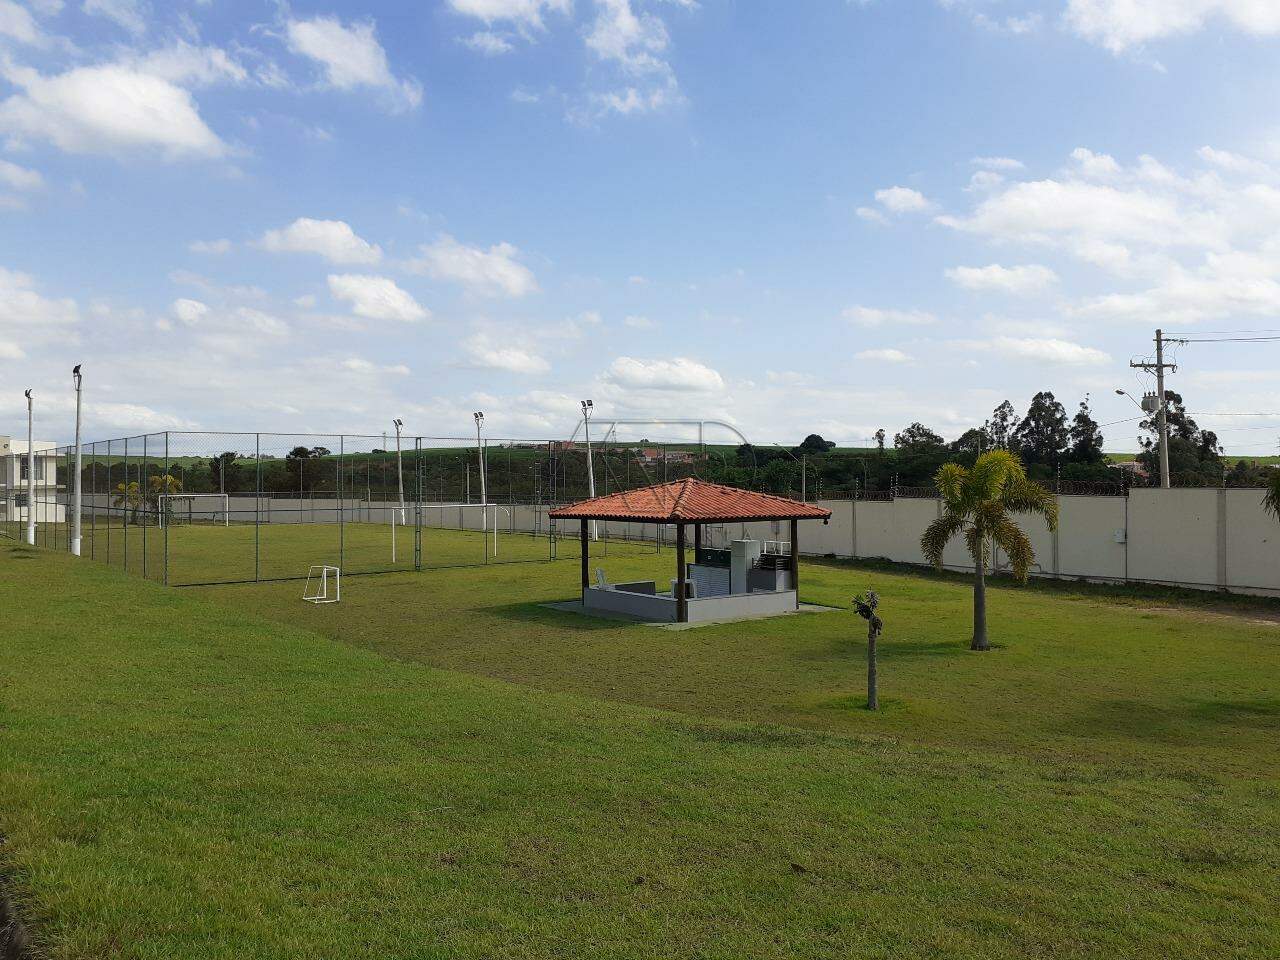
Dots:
pixel 1271 501
pixel 978 503
pixel 163 486
pixel 128 497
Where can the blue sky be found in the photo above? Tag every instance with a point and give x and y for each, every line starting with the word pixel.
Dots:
pixel 832 216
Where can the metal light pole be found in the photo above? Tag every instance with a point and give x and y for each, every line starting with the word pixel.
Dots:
pixel 480 459
pixel 78 496
pixel 399 468
pixel 587 407
pixel 31 476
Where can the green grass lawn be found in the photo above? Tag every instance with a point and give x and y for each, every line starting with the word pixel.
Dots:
pixel 230 772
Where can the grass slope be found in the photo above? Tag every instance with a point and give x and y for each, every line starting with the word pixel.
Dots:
pixel 1082 675
pixel 183 778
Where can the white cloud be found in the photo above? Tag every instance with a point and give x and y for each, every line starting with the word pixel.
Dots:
pixel 885 355
pixel 523 13
pixel 1119 26
pixel 998 163
pixel 679 374
pixel 492 272
pixel 489 43
pixel 903 200
pixel 332 239
pixel 1042 349
pixel 638 322
pixel 189 312
pixel 1204 245
pixel 10 351
pixel 22 308
pixel 1233 162
pixel 17 22
pixel 1075 213
pixel 1019 281
pixel 19 178
pixel 127 14
pixel 375 298
pixel 876 317
pixel 210 246
pixel 351 58
pixel 634 41
pixel 635 44
pixel 872 215
pixel 189 65
pixel 483 351
pixel 107 109
pixel 1095 166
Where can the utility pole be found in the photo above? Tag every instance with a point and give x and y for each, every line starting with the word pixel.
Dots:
pixel 1162 421
pixel 78 498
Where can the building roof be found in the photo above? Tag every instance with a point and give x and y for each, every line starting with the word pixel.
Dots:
pixel 690 501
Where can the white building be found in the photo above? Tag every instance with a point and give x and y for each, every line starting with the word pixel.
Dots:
pixel 13 481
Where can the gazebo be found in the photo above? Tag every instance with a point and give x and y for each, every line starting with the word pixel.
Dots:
pixel 746 578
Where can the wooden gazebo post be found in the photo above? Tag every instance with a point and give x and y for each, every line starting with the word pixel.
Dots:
pixel 586 562
pixel 795 560
pixel 682 599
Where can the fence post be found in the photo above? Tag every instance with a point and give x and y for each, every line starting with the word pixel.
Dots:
pixel 257 506
pixel 342 540
pixel 417 507
pixel 163 489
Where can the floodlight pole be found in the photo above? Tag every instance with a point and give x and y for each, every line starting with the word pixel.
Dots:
pixel 78 496
pixel 399 468
pixel 31 476
pixel 484 500
pixel 587 406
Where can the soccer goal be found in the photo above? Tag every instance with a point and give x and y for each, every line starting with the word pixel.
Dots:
pixel 462 516
pixel 181 508
pixel 324 584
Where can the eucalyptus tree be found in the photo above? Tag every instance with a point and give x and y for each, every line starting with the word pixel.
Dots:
pixel 978 503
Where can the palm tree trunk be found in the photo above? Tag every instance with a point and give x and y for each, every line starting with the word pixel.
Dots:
pixel 980 605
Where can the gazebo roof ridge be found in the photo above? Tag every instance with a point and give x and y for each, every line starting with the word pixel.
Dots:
pixel 690 500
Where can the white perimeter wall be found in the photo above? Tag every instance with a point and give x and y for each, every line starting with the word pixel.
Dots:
pixel 1206 538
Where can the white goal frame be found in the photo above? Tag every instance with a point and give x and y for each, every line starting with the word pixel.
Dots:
pixel 321 593
pixel 484 517
pixel 224 497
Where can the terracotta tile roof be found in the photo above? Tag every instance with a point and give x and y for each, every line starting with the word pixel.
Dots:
pixel 690 501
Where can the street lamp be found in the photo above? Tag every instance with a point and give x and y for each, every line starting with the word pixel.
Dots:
pixel 398 423
pixel 480 460
pixel 77 497
pixel 804 470
pixel 1151 403
pixel 587 407
pixel 31 475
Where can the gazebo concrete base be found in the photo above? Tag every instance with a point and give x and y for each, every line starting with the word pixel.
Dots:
pixel 729 615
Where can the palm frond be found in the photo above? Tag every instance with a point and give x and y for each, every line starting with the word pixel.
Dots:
pixel 1026 496
pixel 1016 545
pixel 950 480
pixel 1271 501
pixel 938 534
pixel 992 471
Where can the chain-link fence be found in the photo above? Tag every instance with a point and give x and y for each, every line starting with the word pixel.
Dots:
pixel 189 508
